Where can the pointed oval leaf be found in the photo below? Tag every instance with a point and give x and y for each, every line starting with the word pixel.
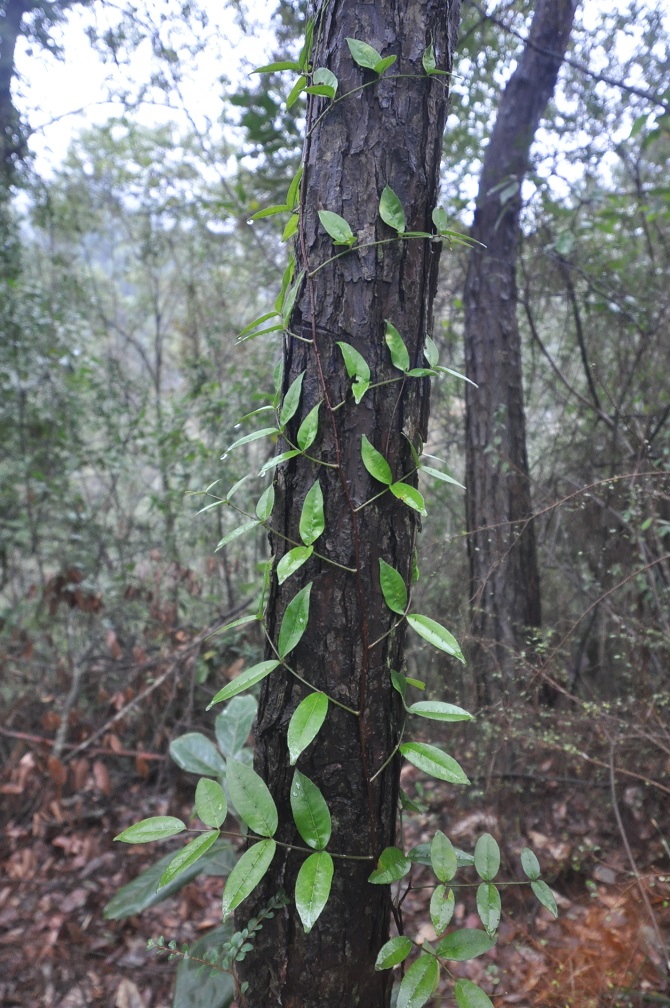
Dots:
pixel 354 362
pixel 305 724
pixel 246 874
pixel 469 995
pixel 487 857
pixel 393 952
pixel 397 348
pixel 391 211
pixel 442 905
pixel 154 828
pixel 321 89
pixel 428 59
pixel 399 683
pixel 430 351
pixel 544 894
pixel 244 681
pixel 289 299
pixel 437 710
pixel 296 91
pixel 291 400
pixel 307 430
pixel 210 802
pixel 294 622
pixel 359 388
pixel 195 753
pixel 240 530
pixel 409 496
pixel 393 588
pixel 310 812
pixel 265 503
pixel 291 227
pixel 252 800
pixel 384 64
pixel 433 761
pixel 375 463
pixel 312 518
pixel 530 864
pixel 467 943
pixel 233 725
pixel 337 227
pixel 191 853
pixel 254 436
pixel 278 460
pixel 435 634
pixel 441 222
pixel 275 67
pixel 312 888
pixel 323 76
pixel 418 983
pixel 438 474
pixel 293 194
pixel 391 866
pixel 363 54
pixel 293 561
pixel 489 907
pixel 443 858
pixel 270 211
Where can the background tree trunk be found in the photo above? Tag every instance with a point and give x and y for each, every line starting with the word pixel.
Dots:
pixel 387 133
pixel 504 576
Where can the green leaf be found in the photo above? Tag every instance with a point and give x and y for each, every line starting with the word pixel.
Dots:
pixel 306 51
pixel 244 681
pixel 231 626
pixel 420 372
pixel 310 812
pixel 266 503
pixel 409 496
pixel 155 828
pixel 296 91
pixel 437 710
pixel 393 588
pixel 191 853
pixel 465 944
pixel 443 858
pixel 312 888
pixel 312 518
pixel 291 227
pixel 391 866
pixel 192 988
pixel 428 59
pixel 488 907
pixel 530 864
pixel 293 194
pixel 359 388
pixel 391 211
pixel 384 64
pixel 363 54
pixel 278 460
pixel 435 634
pixel 320 89
pixel 327 77
pixel 275 67
pixel 337 227
pixel 487 857
pixel 270 211
pixel 456 374
pixel 442 905
pixel 293 561
pixel 399 683
pixel 469 995
pixel 289 300
pixel 433 761
pixel 254 436
pixel 354 362
pixel 305 723
pixel 544 894
pixel 233 725
pixel 294 623
pixel 236 532
pixel 375 463
pixel 210 802
pixel 256 322
pixel 291 400
pixel 419 982
pixel 397 348
pixel 252 800
pixel 441 222
pixel 430 351
pixel 307 430
pixel 195 753
pixel 246 874
pixel 393 952
pixel 436 474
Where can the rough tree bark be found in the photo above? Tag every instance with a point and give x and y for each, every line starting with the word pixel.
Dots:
pixel 387 133
pixel 504 576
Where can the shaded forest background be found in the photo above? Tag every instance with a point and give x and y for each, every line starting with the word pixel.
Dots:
pixel 127 274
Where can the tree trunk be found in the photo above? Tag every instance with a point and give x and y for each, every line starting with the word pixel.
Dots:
pixel 387 133
pixel 504 576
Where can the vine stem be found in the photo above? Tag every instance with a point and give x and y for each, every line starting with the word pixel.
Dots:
pixel 305 682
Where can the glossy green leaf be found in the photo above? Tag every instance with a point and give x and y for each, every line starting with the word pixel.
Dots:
pixel 391 866
pixel 393 952
pixel 442 905
pixel 252 800
pixel 469 995
pixel 312 888
pixel 249 329
pixel 375 463
pixel 293 561
pixel 419 982
pixel 244 681
pixel 489 907
pixel 189 854
pixel 306 51
pixel 236 486
pixel 254 436
pixel 276 67
pixel 296 91
pixel 393 588
pixel 443 858
pixel 321 89
pixel 246 874
pixel 291 227
pixel 148 830
pixel 409 496
pixel 359 388
pixel 354 362
pixel 294 622
pixel 530 864
pixel 289 300
pixel 456 374
pixel 270 211
pixel 428 59
pixel 441 222
pixel 308 429
pixel 487 857
pixel 240 530
pixel 433 761
pixel 399 683
pixel 291 400
pixel 232 625
pixel 363 54
pixel 435 634
pixel 467 943
pixel 337 227
pixel 544 894
pixel 210 802
pixel 323 76
pixel 195 753
pixel 437 474
pixel 391 211
pixel 420 372
pixel 384 64
pixel 430 351
pixel 233 725
pixel 312 518
pixel 266 503
pixel 278 460
pixel 305 724
pixel 197 988
pixel 293 194
pixel 310 812
pixel 437 710
pixel 397 348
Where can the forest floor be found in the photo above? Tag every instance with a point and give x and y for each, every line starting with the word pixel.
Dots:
pixel 600 828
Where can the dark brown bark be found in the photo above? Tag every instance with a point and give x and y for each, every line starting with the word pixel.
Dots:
pixel 504 577
pixel 387 133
